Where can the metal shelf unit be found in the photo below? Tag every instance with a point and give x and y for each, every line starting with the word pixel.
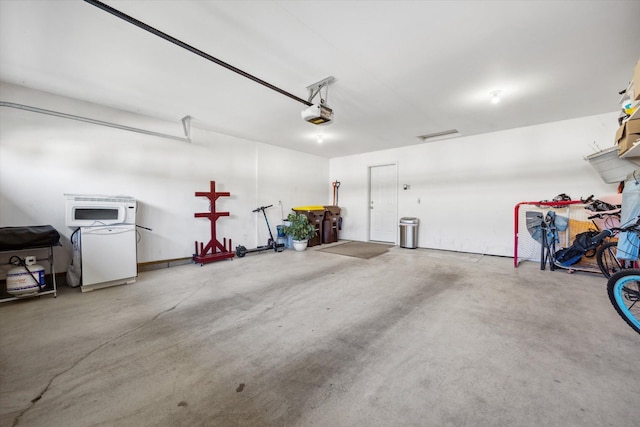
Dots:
pixel 53 287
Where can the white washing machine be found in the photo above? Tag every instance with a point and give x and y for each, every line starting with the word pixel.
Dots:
pixel 108 256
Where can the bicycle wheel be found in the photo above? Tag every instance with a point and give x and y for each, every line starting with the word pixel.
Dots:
pixel 606 258
pixel 624 293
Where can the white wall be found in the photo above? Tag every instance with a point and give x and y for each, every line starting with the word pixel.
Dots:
pixel 295 182
pixel 43 157
pixel 468 186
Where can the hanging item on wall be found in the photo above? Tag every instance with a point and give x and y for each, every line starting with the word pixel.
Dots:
pixel 336 187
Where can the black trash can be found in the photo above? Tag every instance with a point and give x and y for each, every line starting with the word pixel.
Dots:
pixel 315 215
pixel 330 224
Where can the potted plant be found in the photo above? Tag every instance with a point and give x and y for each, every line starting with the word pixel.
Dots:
pixel 300 230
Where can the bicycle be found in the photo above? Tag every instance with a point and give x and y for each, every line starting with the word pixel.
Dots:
pixel 588 242
pixel 607 253
pixel 624 293
pixel 608 261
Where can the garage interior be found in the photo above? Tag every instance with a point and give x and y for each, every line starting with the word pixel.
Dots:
pixel 448 333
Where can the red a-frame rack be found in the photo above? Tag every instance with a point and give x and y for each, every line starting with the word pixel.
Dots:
pixel 214 250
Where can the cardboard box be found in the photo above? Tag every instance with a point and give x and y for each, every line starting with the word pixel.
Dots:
pixel 627 135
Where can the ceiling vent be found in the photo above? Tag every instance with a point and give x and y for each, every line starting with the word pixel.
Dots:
pixel 436 136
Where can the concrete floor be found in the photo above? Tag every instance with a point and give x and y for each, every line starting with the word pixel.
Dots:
pixel 411 338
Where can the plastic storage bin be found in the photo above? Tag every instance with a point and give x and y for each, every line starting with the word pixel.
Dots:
pixel 330 224
pixel 611 168
pixel 315 215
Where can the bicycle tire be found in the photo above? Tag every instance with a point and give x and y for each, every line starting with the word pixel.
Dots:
pixel 624 293
pixel 606 258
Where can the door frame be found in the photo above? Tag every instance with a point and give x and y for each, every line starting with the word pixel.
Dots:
pixel 368 207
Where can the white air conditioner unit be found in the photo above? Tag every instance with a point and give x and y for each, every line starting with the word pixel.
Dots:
pixel 318 114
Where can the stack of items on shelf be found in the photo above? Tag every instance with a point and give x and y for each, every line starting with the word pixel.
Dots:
pixel 628 134
pixel 614 163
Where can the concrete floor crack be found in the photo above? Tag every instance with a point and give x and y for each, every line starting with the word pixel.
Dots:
pixel 33 401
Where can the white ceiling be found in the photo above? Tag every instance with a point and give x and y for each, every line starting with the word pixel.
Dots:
pixel 402 68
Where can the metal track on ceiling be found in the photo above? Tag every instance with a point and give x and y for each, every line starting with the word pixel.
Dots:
pixel 192 49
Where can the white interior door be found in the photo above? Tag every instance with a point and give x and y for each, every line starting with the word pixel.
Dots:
pixel 383 203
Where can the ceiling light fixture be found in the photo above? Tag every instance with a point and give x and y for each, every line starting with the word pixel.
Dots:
pixel 495 96
pixel 319 137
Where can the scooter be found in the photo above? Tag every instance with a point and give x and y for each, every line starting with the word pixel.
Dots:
pixel 271 244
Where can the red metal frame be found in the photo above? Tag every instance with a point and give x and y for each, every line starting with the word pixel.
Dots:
pixel 214 250
pixel 515 221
